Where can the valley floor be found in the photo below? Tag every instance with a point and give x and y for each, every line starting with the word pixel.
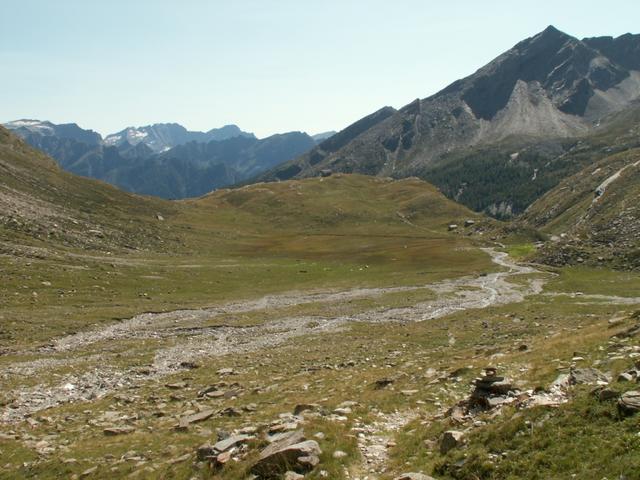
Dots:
pixel 376 365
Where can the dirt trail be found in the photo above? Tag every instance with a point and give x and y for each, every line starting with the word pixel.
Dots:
pixel 374 438
pixel 193 343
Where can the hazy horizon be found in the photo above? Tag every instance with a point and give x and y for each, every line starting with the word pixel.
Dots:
pixel 268 66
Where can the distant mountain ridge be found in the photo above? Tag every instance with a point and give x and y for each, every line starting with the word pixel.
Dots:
pixel 550 88
pixel 165 160
pixel 161 137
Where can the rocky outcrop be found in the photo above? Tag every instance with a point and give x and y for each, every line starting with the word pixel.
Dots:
pixel 291 452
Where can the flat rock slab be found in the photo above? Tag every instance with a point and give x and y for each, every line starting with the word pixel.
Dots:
pixel 195 418
pixel 232 441
pixel 579 376
pixel 112 431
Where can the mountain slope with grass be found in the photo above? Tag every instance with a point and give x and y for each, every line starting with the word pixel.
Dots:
pixel 42 205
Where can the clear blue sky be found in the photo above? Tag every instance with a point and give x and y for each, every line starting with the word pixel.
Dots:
pixel 269 66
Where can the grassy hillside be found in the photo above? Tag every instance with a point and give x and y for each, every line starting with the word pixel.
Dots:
pixel 594 215
pixel 40 205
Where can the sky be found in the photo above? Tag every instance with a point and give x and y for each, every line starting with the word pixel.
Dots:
pixel 268 66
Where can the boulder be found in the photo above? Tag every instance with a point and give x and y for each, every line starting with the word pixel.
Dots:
pixel 627 377
pixel 629 403
pixel 279 458
pixel 579 376
pixel 450 440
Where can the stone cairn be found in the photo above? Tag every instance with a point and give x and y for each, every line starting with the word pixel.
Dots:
pixel 491 391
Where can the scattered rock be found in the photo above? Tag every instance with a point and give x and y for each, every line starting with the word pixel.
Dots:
pixel 123 430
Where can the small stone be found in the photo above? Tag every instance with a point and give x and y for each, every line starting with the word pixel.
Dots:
pixel 292 476
pixel 112 431
pixel 222 459
pixel 339 454
pixel 182 458
pixel 205 451
pixel 305 407
pixel 342 411
pixel 176 385
pixel 450 440
pixel 382 383
pixel 413 476
pixel 89 471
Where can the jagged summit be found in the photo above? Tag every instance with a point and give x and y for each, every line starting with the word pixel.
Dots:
pixel 161 137
pixel 548 87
